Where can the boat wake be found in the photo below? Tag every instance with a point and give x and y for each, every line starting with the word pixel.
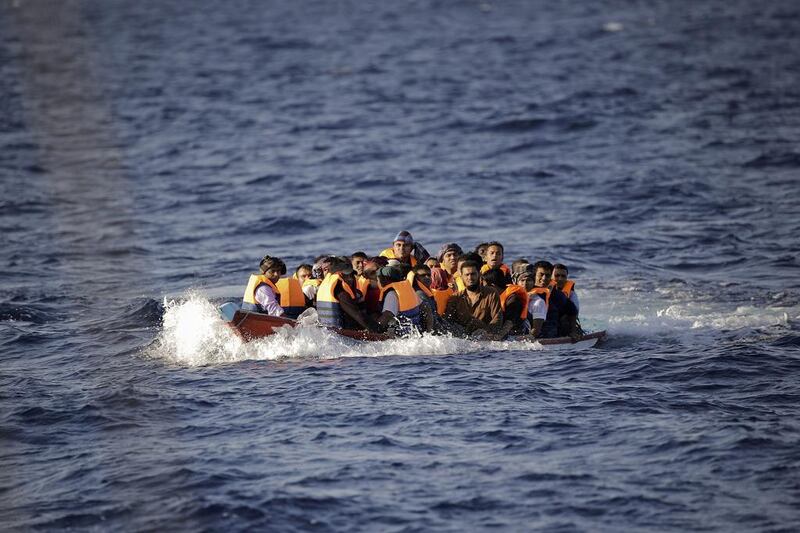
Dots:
pixel 194 334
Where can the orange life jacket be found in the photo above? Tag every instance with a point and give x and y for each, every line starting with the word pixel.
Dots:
pixel 503 267
pixel 520 292
pixel 441 296
pixel 407 300
pixel 569 286
pixel 543 291
pixel 249 302
pixel 411 277
pixel 388 253
pixel 329 309
pixel 293 300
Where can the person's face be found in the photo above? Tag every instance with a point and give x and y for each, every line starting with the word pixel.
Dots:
pixel 527 281
pixel 273 275
pixel 303 274
pixel 450 260
pixel 423 277
pixel 471 277
pixel 494 256
pixel 401 249
pixel 560 277
pixel 432 262
pixel 358 265
pixel 542 277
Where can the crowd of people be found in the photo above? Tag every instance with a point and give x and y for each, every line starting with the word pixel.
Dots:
pixel 403 288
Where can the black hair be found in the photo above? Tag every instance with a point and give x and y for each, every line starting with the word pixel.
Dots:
pixel 362 255
pixel 543 264
pixel 561 266
pixel 471 256
pixel 496 278
pixel 495 243
pixel 302 266
pixel 421 266
pixel 483 245
pixel 469 263
pixel 272 263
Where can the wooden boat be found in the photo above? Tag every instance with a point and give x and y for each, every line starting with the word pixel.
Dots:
pixel 251 325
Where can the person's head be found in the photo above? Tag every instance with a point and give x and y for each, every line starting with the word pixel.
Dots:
pixel 543 271
pixel 526 278
pixel 560 275
pixel 481 250
pixel 422 275
pixel 391 274
pixel 342 266
pixel 357 261
pixel 519 266
pixel 448 256
pixel 303 272
pixel 470 256
pixel 402 245
pixel 438 279
pixel 432 262
pixel 494 277
pixel 272 267
pixel 322 265
pixel 470 274
pixel 494 254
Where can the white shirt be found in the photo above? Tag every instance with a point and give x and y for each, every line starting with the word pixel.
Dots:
pixel 537 307
pixel 310 291
pixel 265 296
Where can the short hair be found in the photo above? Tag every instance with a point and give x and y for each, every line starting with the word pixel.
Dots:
pixel 362 255
pixel 495 243
pixel 496 278
pixel 483 245
pixel 272 263
pixel 421 266
pixel 302 266
pixel 469 264
pixel 471 256
pixel 561 266
pixel 547 265
pixel 518 265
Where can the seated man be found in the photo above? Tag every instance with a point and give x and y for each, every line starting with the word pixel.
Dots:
pixel 480 249
pixel 401 249
pixel 420 279
pixel 302 273
pixel 537 307
pixel 456 283
pixel 337 303
pixel 475 308
pixel 400 307
pixel 513 302
pixel 367 285
pixel 562 317
pixel 448 259
pixel 261 294
pixel 357 260
pixel 320 269
pixel 567 286
pixel 494 259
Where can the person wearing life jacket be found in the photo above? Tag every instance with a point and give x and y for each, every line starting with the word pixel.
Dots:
pixel 456 282
pixel 562 317
pixel 420 279
pixel 320 269
pixel 476 308
pixel 448 260
pixel 513 302
pixel 400 304
pixel 494 259
pixel 406 250
pixel 367 285
pixel 337 304
pixel 440 289
pixel 357 261
pixel 292 299
pixel 567 286
pixel 261 294
pixel 302 273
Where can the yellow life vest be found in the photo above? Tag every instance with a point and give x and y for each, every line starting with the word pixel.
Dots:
pixel 328 308
pixel 519 291
pixel 313 282
pixel 249 302
pixel 388 253
pixel 293 300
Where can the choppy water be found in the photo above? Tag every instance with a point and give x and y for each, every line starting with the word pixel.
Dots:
pixel 152 152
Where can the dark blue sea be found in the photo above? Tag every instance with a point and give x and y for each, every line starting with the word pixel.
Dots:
pixel 151 153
